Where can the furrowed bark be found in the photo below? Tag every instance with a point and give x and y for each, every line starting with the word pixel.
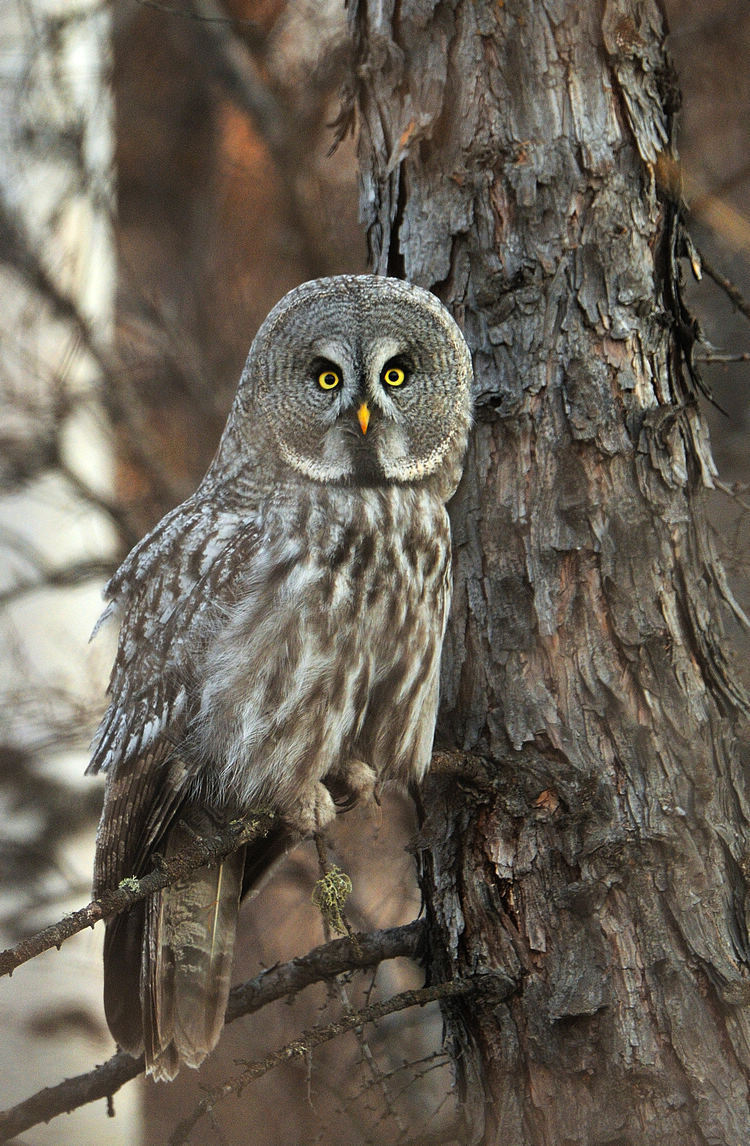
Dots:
pixel 518 159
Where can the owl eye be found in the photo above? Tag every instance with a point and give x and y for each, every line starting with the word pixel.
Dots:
pixel 394 376
pixel 328 379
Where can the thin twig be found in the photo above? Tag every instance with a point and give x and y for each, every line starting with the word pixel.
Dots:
pixel 300 1047
pixel 733 292
pixel 733 492
pixel 718 356
pixel 286 979
pixel 339 986
pixel 130 891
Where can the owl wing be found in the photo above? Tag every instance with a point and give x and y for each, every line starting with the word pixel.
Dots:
pixel 162 989
pixel 167 592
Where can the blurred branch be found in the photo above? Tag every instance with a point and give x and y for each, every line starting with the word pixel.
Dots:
pixel 287 140
pixel 733 292
pixel 112 509
pixel 16 251
pixel 275 983
pixel 249 26
pixel 311 1039
pixel 130 891
pixel 734 491
pixel 61 578
pixel 234 66
pixel 727 183
pixel 716 212
pixel 717 356
pixel 43 575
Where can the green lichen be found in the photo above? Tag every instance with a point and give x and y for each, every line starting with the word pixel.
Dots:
pixel 329 895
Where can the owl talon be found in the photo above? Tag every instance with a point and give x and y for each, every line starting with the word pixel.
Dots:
pixel 312 812
pixel 353 785
pixel 359 779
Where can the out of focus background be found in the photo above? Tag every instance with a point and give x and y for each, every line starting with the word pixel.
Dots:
pixel 166 175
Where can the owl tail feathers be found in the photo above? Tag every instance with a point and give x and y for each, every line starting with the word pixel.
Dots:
pixel 187 954
pixel 168 961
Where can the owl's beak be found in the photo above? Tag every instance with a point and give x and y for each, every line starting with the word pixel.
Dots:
pixel 363 417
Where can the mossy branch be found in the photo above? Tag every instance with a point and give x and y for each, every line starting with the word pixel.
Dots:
pixel 198 854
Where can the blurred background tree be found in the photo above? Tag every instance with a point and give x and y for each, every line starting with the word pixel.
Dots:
pixel 226 196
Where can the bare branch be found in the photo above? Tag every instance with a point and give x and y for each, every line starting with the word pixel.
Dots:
pixel 314 1038
pixel 325 962
pixel 58 579
pixel 717 356
pixel 322 963
pixel 733 292
pixel 130 891
pixel 235 67
pixel 70 1094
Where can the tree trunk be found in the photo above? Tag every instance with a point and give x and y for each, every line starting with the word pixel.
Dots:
pixel 592 851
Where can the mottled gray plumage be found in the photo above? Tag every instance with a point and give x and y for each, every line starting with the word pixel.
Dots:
pixel 280 631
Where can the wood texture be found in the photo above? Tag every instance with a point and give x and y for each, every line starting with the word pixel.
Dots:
pixel 518 159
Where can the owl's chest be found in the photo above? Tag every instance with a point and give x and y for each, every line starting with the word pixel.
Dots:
pixel 382 575
pixel 333 644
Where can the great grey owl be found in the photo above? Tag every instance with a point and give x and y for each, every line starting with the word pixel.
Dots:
pixel 280 632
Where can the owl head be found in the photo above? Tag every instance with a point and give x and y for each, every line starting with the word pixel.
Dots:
pixel 358 380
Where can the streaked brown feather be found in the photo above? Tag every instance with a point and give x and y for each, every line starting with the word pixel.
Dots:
pixel 191 928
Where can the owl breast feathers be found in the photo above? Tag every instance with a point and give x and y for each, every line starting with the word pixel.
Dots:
pixel 280 632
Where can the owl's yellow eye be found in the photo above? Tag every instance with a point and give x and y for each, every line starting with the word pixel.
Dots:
pixel 394 376
pixel 328 379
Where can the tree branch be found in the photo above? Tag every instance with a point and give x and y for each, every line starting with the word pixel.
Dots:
pixel 130 891
pixel 234 66
pixel 58 579
pixel 248 26
pixel 314 1038
pixel 719 356
pixel 122 399
pixel 324 962
pixel 321 963
pixel 732 292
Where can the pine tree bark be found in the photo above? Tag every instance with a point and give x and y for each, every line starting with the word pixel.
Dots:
pixel 518 159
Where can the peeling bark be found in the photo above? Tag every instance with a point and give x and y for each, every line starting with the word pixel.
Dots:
pixel 518 159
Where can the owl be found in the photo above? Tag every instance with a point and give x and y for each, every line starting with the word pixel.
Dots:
pixel 280 633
